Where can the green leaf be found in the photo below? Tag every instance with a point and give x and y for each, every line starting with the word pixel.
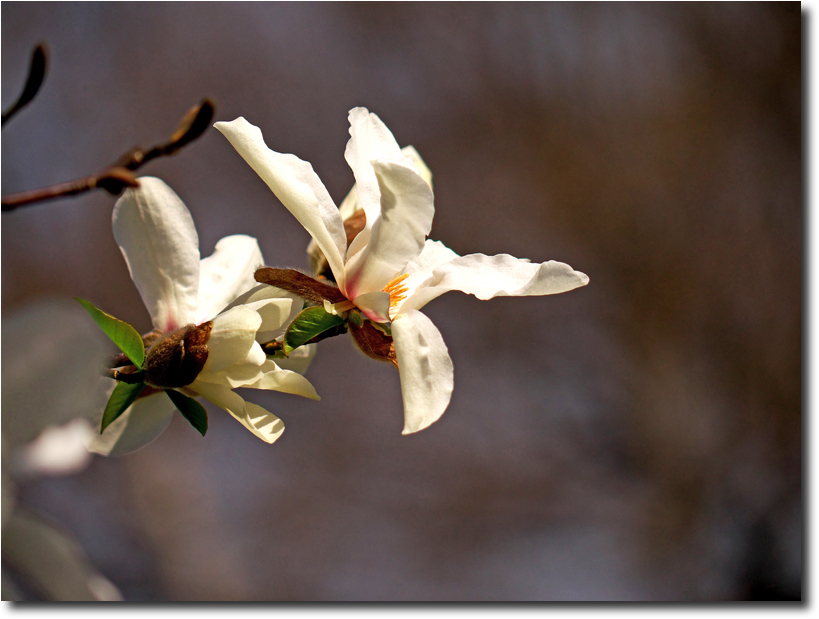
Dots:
pixel 191 410
pixel 308 324
pixel 121 333
pixel 122 397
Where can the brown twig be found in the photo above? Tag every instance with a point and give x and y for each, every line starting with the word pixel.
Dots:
pixel 126 377
pixel 36 75
pixel 118 176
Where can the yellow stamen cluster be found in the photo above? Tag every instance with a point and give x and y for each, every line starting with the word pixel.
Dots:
pixel 397 292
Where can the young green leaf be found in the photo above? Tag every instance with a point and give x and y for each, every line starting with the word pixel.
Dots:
pixel 308 324
pixel 122 397
pixel 191 410
pixel 121 333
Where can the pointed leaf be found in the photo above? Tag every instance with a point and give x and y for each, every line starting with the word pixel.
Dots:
pixel 191 410
pixel 121 333
pixel 308 324
pixel 122 397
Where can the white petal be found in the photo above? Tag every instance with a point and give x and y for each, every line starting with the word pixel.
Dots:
pixel 156 235
pixel 277 314
pixel 143 422
pixel 53 564
pixel 419 275
pixel 418 163
pixel 256 297
pixel 227 273
pixel 268 376
pixel 300 359
pixel 233 377
pixel 350 205
pixel 399 232
pixel 259 421
pixel 277 379
pixel 297 186
pixel 506 276
pixel 255 356
pixel 503 275
pixel 425 370
pixel 369 140
pixel 375 305
pixel 232 338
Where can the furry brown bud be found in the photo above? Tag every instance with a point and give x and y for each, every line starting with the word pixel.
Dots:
pixel 300 284
pixel 176 359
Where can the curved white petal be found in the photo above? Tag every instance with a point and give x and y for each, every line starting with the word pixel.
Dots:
pixel 255 356
pixel 369 140
pixel 300 359
pixel 419 275
pixel 503 275
pixel 259 421
pixel 286 381
pixel 425 369
pixel 375 305
pixel 349 205
pixel 268 376
pixel 232 338
pixel 233 377
pixel 297 186
pixel 276 314
pixel 418 163
pixel 143 422
pixel 156 235
pixel 398 234
pixel 255 298
pixel 227 273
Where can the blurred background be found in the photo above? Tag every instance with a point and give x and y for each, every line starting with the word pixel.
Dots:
pixel 637 439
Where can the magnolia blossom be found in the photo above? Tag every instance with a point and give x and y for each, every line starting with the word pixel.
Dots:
pixel 157 237
pixel 390 270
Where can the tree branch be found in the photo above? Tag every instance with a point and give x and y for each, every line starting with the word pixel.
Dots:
pixel 126 377
pixel 118 176
pixel 36 75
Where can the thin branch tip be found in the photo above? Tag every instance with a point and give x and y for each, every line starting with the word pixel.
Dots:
pixel 120 176
pixel 36 75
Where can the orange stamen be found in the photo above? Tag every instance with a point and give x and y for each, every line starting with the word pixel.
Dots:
pixel 396 291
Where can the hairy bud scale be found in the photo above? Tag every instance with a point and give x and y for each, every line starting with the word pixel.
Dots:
pixel 176 359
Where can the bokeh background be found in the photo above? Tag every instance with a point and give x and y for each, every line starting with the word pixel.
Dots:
pixel 637 439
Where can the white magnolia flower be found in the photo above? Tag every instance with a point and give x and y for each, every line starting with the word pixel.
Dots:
pixel 390 271
pixel 157 237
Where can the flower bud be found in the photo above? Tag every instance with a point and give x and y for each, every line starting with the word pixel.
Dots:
pixel 176 359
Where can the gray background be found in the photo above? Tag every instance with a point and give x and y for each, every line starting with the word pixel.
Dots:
pixel 638 439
